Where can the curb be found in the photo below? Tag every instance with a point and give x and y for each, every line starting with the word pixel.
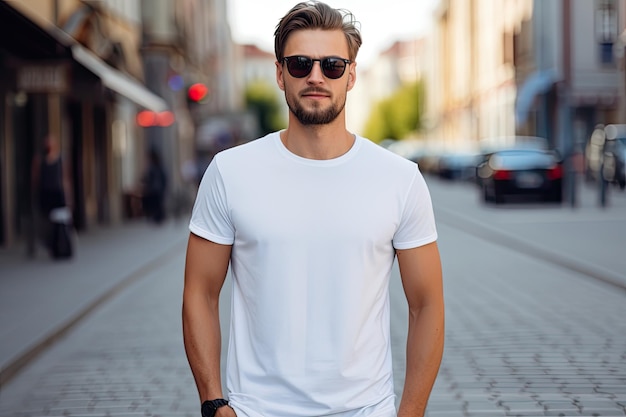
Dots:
pixel 485 231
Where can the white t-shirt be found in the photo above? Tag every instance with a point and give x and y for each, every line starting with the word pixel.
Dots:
pixel 313 248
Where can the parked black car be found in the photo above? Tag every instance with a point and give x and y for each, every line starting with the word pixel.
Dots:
pixel 521 173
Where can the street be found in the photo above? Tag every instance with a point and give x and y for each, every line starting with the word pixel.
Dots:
pixel 535 305
pixel 525 334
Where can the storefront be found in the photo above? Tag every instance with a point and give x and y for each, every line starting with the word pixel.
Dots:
pixel 50 84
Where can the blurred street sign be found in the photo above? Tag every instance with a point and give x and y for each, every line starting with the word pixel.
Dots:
pixel 43 78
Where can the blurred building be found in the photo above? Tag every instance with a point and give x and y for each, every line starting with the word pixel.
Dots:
pixel 258 65
pixel 84 71
pixel 620 55
pixel 568 71
pixel 70 69
pixel 189 58
pixel 531 67
pixel 471 76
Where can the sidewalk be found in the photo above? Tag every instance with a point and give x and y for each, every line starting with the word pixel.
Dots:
pixel 41 298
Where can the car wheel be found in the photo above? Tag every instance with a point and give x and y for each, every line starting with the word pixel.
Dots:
pixel 556 197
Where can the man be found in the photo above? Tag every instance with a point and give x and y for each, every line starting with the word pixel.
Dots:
pixel 310 220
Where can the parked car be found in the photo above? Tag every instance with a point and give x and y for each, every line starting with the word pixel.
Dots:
pixel 458 166
pixel 532 173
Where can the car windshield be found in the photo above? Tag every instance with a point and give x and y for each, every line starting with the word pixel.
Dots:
pixel 521 159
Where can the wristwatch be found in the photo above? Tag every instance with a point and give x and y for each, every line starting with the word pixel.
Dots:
pixel 209 407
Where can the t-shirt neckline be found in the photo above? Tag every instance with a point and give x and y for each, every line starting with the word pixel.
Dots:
pixel 318 162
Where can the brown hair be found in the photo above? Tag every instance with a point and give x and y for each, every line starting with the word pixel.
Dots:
pixel 317 15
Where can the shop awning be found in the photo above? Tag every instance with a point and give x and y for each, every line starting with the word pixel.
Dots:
pixel 32 38
pixel 118 81
pixel 537 83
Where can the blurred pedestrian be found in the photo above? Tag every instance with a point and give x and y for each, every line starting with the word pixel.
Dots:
pixel 51 185
pixel 154 188
pixel 190 176
pixel 310 220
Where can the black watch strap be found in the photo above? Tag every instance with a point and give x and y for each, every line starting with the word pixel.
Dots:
pixel 209 407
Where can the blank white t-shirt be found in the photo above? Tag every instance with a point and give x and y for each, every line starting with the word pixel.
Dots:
pixel 313 246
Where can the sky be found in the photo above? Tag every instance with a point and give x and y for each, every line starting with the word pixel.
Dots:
pixel 382 21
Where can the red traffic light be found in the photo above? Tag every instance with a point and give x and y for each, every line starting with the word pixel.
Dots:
pixel 197 92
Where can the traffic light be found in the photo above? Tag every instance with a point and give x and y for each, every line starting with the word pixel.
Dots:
pixel 197 92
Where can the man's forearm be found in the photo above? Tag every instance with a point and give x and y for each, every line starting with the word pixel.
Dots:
pixel 423 357
pixel 202 338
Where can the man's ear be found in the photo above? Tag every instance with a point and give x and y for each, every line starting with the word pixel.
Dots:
pixel 351 75
pixel 279 76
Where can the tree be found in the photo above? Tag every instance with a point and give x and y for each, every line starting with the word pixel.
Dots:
pixel 398 115
pixel 262 100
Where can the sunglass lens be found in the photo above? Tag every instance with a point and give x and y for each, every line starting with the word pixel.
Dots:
pixel 299 66
pixel 333 67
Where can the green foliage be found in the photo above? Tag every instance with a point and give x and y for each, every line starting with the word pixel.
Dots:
pixel 261 99
pixel 398 115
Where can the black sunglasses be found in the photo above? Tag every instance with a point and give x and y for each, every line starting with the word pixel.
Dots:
pixel 300 66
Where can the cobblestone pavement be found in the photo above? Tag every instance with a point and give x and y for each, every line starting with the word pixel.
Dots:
pixel 127 359
pixel 524 337
pixel 40 298
pixel 527 338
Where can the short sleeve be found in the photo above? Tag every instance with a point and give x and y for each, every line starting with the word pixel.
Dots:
pixel 417 225
pixel 210 217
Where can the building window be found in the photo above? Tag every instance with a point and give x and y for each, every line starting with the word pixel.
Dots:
pixel 522 44
pixel 508 49
pixel 606 53
pixel 606 29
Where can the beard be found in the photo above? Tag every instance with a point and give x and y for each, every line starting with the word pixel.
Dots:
pixel 315 115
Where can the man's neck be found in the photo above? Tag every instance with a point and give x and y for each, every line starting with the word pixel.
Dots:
pixel 319 142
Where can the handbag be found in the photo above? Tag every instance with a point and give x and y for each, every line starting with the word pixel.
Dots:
pixel 61 245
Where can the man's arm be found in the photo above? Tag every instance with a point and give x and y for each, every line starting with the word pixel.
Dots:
pixel 205 271
pixel 420 269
